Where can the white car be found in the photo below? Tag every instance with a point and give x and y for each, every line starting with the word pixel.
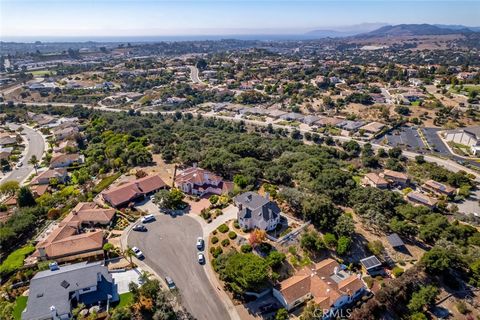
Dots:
pixel 201 258
pixel 200 243
pixel 148 218
pixel 138 252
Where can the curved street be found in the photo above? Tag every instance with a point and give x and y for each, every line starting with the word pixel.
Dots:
pixel 169 249
pixel 34 145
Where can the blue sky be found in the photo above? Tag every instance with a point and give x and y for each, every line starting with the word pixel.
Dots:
pixel 201 17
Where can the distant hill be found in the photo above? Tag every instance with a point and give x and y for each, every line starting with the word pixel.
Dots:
pixel 345 31
pixel 414 30
pixel 457 27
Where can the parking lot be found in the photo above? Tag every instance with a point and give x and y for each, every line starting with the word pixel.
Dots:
pixel 404 137
pixel 169 249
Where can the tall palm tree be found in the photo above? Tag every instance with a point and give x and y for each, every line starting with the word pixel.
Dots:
pixel 128 254
pixel 34 161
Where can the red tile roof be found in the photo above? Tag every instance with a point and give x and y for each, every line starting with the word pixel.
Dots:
pixel 127 192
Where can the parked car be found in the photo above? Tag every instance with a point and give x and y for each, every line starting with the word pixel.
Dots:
pixel 140 227
pixel 267 308
pixel 200 243
pixel 138 252
pixel 20 164
pixel 201 258
pixel 148 218
pixel 170 283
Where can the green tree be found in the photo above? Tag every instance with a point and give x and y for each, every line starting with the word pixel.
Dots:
pixel 438 259
pixel 282 314
pixel 169 199
pixel 423 298
pixel 344 226
pixel 9 188
pixel 330 240
pixel 25 198
pixel 245 271
pixel 34 162
pixel 343 245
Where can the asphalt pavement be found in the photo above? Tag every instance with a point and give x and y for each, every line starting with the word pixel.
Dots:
pixel 35 145
pixel 169 249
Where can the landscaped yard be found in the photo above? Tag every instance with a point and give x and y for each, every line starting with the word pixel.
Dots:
pixel 125 299
pixel 105 182
pixel 15 259
pixel 20 305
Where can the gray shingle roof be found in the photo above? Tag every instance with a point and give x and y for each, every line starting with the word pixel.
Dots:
pixel 257 207
pixel 52 288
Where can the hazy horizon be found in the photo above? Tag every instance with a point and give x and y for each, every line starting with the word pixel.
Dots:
pixel 150 18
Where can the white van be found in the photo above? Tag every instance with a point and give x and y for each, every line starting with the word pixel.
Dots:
pixel 148 218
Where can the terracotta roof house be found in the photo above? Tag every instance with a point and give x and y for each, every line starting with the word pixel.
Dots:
pixel 54 293
pixel 39 189
pixel 65 160
pixel 395 177
pixel 420 198
pixel 327 121
pixel 257 212
pixel 438 188
pixel 66 242
pixel 373 127
pixel 44 178
pixel 197 181
pixel 132 191
pixel 65 133
pixel 65 145
pixel 325 283
pixel 374 180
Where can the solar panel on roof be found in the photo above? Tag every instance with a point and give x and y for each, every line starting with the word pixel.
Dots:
pixel 395 240
pixel 370 262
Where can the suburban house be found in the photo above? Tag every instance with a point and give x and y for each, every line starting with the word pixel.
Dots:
pixel 395 241
pixel 395 177
pixel 256 211
pixel 54 293
pixel 197 181
pixel 65 145
pixel 469 136
pixel 67 242
pixel 45 177
pixel 65 160
pixel 372 265
pixel 438 188
pixel 420 198
pixel 326 283
pixel 373 127
pixel 133 191
pixel 65 133
pixel 374 180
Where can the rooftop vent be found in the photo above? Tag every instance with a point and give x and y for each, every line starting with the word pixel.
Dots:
pixel 65 284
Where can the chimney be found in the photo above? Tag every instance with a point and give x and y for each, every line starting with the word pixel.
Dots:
pixel 267 196
pixel 174 175
pixel 53 313
pixel 240 207
pixel 335 270
pixel 42 252
pixel 194 164
pixel 249 198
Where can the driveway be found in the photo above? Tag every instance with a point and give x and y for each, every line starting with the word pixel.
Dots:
pixel 123 279
pixel 169 249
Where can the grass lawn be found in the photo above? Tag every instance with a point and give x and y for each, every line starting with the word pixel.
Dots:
pixel 42 72
pixel 125 298
pixel 104 183
pixel 15 259
pixel 20 305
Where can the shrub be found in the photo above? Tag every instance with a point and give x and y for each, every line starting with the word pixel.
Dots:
pixel 216 251
pixel 53 214
pixel 225 242
pixel 375 247
pixel 462 307
pixel 246 248
pixel 368 281
pixel 223 228
pixel 214 240
pixel 236 224
pixel 232 235
pixel 397 272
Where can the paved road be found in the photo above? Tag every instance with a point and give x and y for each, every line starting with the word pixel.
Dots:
pixel 35 146
pixel 169 249
pixel 194 74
